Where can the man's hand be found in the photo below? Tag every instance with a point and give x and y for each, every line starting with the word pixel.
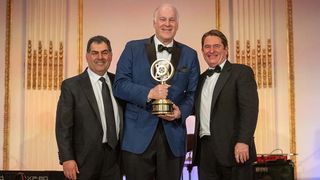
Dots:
pixel 70 169
pixel 160 91
pixel 176 114
pixel 241 152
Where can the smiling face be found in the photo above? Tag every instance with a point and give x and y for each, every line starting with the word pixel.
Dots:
pixel 165 23
pixel 213 51
pixel 99 58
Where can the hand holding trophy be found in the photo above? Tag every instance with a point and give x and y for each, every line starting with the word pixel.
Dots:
pixel 162 70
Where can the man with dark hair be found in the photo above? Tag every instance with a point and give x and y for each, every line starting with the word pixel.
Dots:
pixel 89 119
pixel 226 110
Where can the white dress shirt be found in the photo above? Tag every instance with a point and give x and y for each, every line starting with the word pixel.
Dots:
pixel 163 54
pixel 206 100
pixel 97 89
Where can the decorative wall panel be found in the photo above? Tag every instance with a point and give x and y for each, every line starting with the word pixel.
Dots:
pixel 44 72
pixel 252 34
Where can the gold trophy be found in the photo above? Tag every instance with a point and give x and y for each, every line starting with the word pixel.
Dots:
pixel 162 70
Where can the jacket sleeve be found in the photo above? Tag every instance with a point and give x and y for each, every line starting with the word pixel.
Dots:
pixel 248 105
pixel 64 124
pixel 124 86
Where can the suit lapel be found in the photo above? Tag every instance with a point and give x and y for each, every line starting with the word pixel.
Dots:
pixel 152 55
pixel 199 89
pixel 86 85
pixel 120 110
pixel 175 58
pixel 198 100
pixel 151 50
pixel 225 73
pixel 175 54
pixel 111 77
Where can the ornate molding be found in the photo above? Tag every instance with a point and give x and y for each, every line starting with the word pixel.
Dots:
pixel 41 73
pixel 218 24
pixel 50 75
pixel 40 65
pixel 60 78
pixel 55 71
pixel 45 69
pixel 269 54
pixel 292 110
pixel 259 64
pixel 29 56
pixel 80 33
pixel 6 121
pixel 260 59
pixel 34 67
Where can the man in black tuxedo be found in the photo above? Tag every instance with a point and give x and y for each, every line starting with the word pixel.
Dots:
pixel 89 119
pixel 226 110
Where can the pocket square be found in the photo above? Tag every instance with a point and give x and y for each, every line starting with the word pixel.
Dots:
pixel 183 69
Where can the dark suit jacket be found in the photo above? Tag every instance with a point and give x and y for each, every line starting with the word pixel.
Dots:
pixel 133 82
pixel 234 113
pixel 78 125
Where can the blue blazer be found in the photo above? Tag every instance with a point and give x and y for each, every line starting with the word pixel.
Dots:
pixel 133 82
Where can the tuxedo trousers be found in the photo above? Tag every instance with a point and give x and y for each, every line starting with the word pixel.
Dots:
pixel 210 168
pixel 103 164
pixel 157 162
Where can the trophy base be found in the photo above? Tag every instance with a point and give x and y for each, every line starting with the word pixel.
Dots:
pixel 162 107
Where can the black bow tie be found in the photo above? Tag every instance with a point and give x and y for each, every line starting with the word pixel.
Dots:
pixel 210 72
pixel 162 48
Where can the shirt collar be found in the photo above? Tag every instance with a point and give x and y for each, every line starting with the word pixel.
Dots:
pixel 221 65
pixel 95 77
pixel 157 42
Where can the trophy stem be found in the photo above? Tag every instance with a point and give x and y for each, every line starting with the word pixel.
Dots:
pixel 162 70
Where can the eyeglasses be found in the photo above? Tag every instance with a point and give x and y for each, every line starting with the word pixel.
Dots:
pixel 213 46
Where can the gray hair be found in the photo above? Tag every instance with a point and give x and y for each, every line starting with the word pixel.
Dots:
pixel 155 13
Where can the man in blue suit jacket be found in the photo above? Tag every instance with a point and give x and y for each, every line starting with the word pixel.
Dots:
pixel 155 146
